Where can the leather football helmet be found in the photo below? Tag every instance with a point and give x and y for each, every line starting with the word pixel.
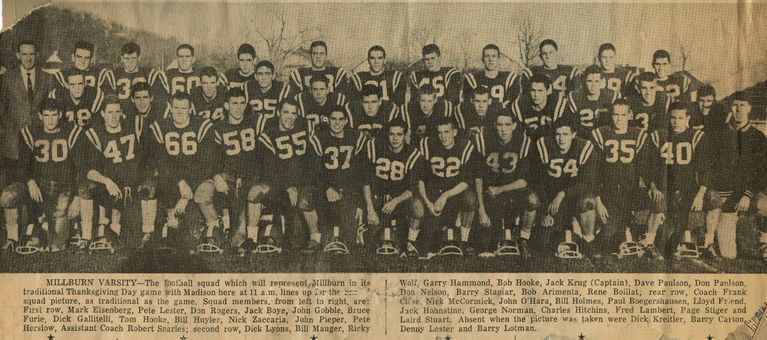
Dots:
pixel 568 249
pixel 450 246
pixel 336 246
pixel 629 248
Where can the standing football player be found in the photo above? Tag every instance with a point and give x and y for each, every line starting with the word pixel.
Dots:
pixel 209 98
pixel 100 77
pixel 422 115
pixel 478 113
pixel 316 104
pixel 389 82
pixel 78 101
pixel 246 60
pixel 132 73
pixel 264 92
pixel 372 114
pixel 446 80
pixel 183 77
pixel 540 107
pixel 650 106
pixel 562 77
pixel 680 86
pixel 504 86
pixel 617 78
pixel 301 78
pixel 591 103
pixel 708 114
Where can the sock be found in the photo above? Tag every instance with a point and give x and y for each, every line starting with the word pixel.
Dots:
pixel 116 228
pixel 12 232
pixel 465 234
pixel 708 239
pixel 412 235
pixel 148 215
pixel 252 232
pixel 316 237
pixel 524 234
pixel 86 219
pixel 588 238
pixel 650 239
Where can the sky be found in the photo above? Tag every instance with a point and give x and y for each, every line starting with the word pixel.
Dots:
pixel 725 45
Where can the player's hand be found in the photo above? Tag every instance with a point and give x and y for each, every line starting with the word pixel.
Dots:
pixel 697 202
pixel 293 196
pixel 430 208
pixel 113 189
pixel 602 212
pixel 439 204
pixel 389 207
pixel 180 207
pixel 373 217
pixel 493 191
pixel 547 221
pixel 656 195
pixel 74 208
pixel 333 195
pixel 743 204
pixel 34 191
pixel 484 219
pixel 186 190
pixel 220 184
pixel 555 203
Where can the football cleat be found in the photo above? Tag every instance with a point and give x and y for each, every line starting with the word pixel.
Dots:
pixel 507 247
pixel 268 245
pixel 82 246
pixel 450 247
pixel 410 250
pixel 524 250
pixel 629 248
pixel 165 245
pixel 361 229
pixel 209 245
pixel 9 245
pixel 652 253
pixel 246 247
pixel 76 236
pixel 29 246
pixel 568 249
pixel 312 247
pixel 387 247
pixel 146 239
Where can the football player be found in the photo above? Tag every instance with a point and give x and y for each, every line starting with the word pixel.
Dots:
pixel 132 72
pixel 389 82
pixel 422 115
pixel 246 60
pixel 390 195
pixel 540 107
pixel 680 86
pixel 622 154
pixel 442 189
pixel 591 103
pixel 100 77
pixel 446 80
pixel 650 106
pixel 316 104
pixel 617 78
pixel 501 184
pixel 340 149
pixel 143 107
pixel 264 92
pixel 680 181
pixel 735 179
pixel 183 153
pixel 301 78
pixel 504 86
pixel 183 77
pixel 45 179
pixel 209 98
pixel 478 113
pixel 372 114
pixel 77 101
pixel 562 77
pixel 291 168
pixel 707 113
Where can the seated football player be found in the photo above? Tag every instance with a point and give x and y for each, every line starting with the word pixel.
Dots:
pixel 264 92
pixel 131 72
pixel 504 86
pixel 422 115
pixel 209 98
pixel 740 154
pixel 650 106
pixel 540 107
pixel 301 78
pixel 681 180
pixel 563 181
pixel 445 80
pixel 501 187
pixel 246 60
pixel 317 103
pixel 679 86
pixel 707 113
pixel 620 165
pixel 372 114
pixel 290 170
pixel 478 114
pixel 443 192
pixel 183 153
pixel 562 76
pixel 389 82
pixel 340 149
pixel 591 103
pixel 45 180
pixel 78 102
pixel 617 78
pixel 99 77
pixel 389 200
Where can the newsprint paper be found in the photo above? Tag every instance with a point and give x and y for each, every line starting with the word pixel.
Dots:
pixel 405 170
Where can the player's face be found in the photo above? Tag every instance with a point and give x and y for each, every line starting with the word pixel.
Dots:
pixel 594 83
pixel 82 59
pixel 504 125
pixel 490 59
pixel 662 67
pixel 426 102
pixel 432 62
pixel 376 60
pixel 337 122
pixel 288 114
pixel 564 136
pixel 208 85
pixel 264 77
pixel 648 90
pixel 481 102
pixel 706 102
pixel 679 120
pixel 607 60
pixel 180 110
pixel 112 115
pixel 741 109
pixel 538 93
pixel 142 100
pixel 620 117
pixel 26 56
pixel 185 59
pixel 50 119
pixel 319 56
pixel 319 91
pixel 549 56
pixel 396 137
pixel 245 62
pixel 76 86
pixel 236 107
pixel 371 104
pixel 446 133
pixel 130 61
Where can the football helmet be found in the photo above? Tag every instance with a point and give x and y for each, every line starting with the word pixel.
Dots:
pixel 388 246
pixel 102 243
pixel 507 246
pixel 209 245
pixel 268 244
pixel 687 248
pixel 568 249
pixel 30 245
pixel 335 246
pixel 629 248
pixel 450 246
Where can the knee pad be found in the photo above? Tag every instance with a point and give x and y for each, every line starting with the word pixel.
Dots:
pixel 85 189
pixel 659 207
pixel 714 200
pixel 257 193
pixel 533 202
pixel 204 193
pixel 586 203
pixel 11 196
pixel 469 201
pixel 416 208
pixel 305 200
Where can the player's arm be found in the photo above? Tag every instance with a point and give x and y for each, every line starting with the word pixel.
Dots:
pixel 296 81
pixel 399 86
pixel 413 84
pixel 454 83
pixel 469 84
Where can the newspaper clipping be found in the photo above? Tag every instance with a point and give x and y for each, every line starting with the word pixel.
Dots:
pixel 357 170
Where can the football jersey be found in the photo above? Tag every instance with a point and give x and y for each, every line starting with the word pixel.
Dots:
pixel 389 81
pixel 179 81
pixel 239 145
pixel 100 77
pixel 300 77
pixel 591 113
pixel 316 113
pixel 538 123
pixel 209 108
pixel 563 78
pixel 186 153
pixel 563 171
pixel 447 81
pixel 124 81
pixel 116 155
pixel 504 163
pixel 81 111
pixel 49 157
pixel 621 156
pixel 265 103
pixel 649 117
pixel 421 124
pixel 156 112
pixel 373 126
pixel 504 88
pixel 342 159
pixel 471 122
pixel 680 162
pixel 619 79
pixel 395 172
pixel 234 78
pixel 288 158
pixel 681 86
pixel 447 167
pixel 716 119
